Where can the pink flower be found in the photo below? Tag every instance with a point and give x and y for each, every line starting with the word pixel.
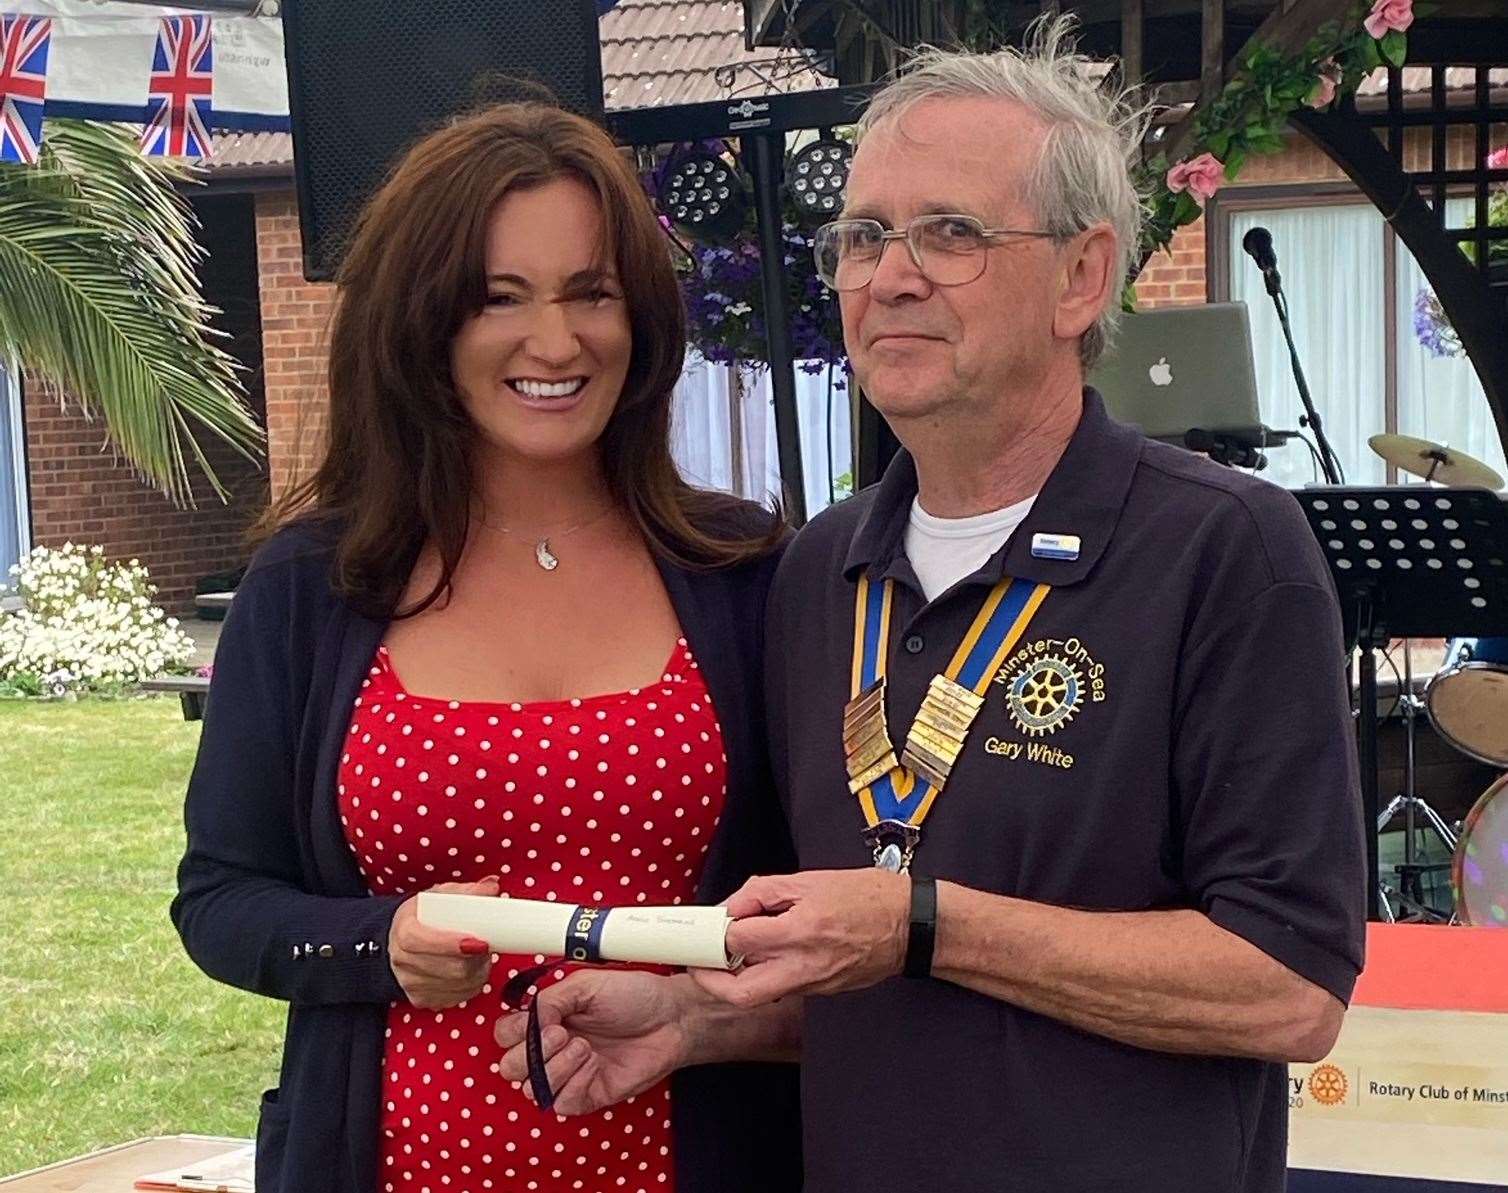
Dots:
pixel 1201 177
pixel 1389 15
pixel 1498 159
pixel 1324 86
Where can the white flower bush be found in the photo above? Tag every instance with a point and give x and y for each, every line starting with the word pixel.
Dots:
pixel 84 625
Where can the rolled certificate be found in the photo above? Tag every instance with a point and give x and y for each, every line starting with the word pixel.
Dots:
pixel 691 936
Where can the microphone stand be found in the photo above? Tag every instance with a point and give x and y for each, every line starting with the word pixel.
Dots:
pixel 1328 463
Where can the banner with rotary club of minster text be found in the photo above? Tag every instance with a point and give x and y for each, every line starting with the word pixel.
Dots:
pixel 1414 1095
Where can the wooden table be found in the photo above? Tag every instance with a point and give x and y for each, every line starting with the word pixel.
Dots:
pixel 115 1169
pixel 192 690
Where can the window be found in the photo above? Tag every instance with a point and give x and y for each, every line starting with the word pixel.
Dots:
pixel 14 523
pixel 723 431
pixel 1351 286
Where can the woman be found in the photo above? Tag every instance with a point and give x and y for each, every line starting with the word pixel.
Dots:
pixel 497 646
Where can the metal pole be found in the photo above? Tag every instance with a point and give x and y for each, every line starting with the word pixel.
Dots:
pixel 762 151
pixel 742 482
pixel 1367 748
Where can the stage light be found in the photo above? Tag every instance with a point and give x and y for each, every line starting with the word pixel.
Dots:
pixel 816 176
pixel 704 194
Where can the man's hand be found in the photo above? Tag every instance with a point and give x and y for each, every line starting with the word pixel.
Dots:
pixel 607 1035
pixel 818 932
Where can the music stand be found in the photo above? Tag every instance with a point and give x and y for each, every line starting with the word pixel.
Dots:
pixel 1408 561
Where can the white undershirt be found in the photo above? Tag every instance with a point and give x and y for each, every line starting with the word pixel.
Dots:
pixel 943 551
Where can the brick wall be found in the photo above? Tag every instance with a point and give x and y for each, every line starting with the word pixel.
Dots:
pixel 80 491
pixel 1176 277
pixel 1301 161
pixel 295 327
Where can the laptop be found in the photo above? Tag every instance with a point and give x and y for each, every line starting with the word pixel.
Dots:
pixel 1178 369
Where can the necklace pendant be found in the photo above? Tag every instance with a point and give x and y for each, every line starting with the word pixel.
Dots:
pixel 544 556
pixel 893 843
pixel 890 858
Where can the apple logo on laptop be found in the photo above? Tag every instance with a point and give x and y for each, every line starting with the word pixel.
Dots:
pixel 1161 373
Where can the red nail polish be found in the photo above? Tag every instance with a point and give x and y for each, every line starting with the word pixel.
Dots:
pixel 473 947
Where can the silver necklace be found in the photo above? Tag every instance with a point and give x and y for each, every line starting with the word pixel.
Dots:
pixel 543 555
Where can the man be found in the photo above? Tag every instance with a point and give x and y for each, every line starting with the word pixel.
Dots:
pixel 1125 818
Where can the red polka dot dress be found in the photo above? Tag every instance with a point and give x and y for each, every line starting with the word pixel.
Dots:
pixel 608 800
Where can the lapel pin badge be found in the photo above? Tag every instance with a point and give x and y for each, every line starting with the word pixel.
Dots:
pixel 1055 546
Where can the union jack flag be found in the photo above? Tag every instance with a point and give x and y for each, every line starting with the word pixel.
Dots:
pixel 23 85
pixel 181 89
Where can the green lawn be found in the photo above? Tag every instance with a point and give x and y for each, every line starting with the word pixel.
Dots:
pixel 107 1031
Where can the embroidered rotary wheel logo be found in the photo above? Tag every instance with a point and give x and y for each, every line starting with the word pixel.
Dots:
pixel 1328 1085
pixel 1045 696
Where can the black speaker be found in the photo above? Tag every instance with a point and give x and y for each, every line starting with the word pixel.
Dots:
pixel 365 81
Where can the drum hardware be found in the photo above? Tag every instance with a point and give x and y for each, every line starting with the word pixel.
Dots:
pixel 1412 905
pixel 1467 703
pixel 1434 462
pixel 1408 561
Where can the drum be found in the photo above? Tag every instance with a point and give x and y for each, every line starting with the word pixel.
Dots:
pixel 1468 698
pixel 1479 870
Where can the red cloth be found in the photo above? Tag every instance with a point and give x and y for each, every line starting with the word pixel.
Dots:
pixel 606 800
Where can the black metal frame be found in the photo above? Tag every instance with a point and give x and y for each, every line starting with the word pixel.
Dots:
pixel 1474 294
pixel 760 126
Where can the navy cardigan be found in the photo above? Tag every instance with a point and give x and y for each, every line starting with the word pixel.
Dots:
pixel 270 898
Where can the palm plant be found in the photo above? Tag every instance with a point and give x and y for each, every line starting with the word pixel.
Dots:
pixel 98 296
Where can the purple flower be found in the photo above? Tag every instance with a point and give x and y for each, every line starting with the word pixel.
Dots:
pixel 1431 326
pixel 723 290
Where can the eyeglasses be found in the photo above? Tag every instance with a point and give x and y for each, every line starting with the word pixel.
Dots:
pixel 948 249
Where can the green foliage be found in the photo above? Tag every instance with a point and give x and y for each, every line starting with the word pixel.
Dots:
pixel 110 1033
pixel 98 294
pixel 1249 115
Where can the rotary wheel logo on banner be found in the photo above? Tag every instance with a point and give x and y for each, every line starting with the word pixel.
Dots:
pixel 1328 1085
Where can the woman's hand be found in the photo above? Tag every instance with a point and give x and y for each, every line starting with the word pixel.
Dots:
pixel 607 1035
pixel 436 968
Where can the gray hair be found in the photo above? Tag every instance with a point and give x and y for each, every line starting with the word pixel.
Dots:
pixel 1094 134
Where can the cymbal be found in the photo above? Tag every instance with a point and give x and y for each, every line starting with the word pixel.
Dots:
pixel 1435 462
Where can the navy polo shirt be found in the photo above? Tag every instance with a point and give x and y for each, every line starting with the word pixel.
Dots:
pixel 1202 757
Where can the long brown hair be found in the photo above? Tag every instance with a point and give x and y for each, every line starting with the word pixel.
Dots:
pixel 397 467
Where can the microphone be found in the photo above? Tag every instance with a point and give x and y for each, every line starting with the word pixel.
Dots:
pixel 1258 245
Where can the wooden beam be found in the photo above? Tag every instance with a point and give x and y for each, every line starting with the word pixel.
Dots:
pixel 1132 35
pixel 1175 95
pixel 1211 49
pixel 1286 32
